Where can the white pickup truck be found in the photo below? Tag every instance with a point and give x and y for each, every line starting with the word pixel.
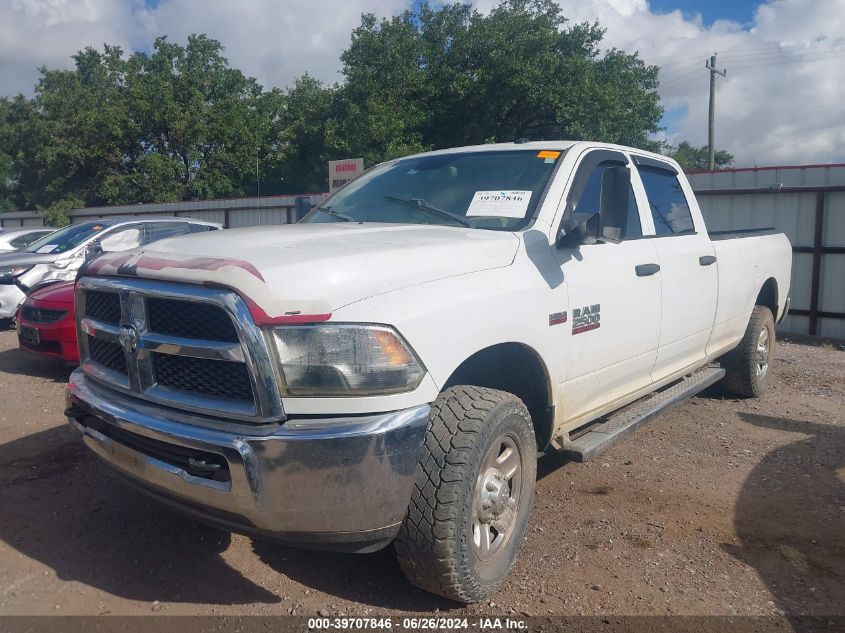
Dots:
pixel 388 369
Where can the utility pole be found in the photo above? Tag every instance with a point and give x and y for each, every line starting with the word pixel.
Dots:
pixel 711 130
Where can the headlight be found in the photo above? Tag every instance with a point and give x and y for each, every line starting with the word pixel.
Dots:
pixel 345 360
pixel 14 271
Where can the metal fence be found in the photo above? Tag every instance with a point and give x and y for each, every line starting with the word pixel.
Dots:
pixel 807 202
pixel 230 212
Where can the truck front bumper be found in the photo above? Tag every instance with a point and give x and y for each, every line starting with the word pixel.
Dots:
pixel 337 483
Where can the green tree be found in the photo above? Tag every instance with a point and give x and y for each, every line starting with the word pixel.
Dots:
pixel 452 76
pixel 697 158
pixel 179 122
pixel 305 135
pixel 175 124
pixel 57 214
pixel 8 180
pixel 198 115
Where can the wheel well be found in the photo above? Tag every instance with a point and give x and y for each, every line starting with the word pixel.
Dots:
pixel 768 296
pixel 517 369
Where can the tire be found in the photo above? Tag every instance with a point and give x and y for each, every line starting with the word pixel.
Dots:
pixel 474 434
pixel 5 324
pixel 749 366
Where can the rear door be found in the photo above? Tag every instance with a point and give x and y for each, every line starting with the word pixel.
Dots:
pixel 687 268
pixel 614 311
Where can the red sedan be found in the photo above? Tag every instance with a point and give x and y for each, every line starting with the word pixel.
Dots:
pixel 46 325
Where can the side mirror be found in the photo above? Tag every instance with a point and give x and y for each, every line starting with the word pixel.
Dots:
pixel 613 205
pixel 7 279
pixel 578 231
pixel 93 249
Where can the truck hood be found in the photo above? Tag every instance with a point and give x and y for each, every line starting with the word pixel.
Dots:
pixel 314 269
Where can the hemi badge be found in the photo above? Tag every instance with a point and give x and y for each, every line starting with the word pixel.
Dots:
pixel 557 318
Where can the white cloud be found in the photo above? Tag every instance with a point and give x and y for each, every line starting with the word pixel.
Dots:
pixel 48 32
pixel 780 103
pixel 271 40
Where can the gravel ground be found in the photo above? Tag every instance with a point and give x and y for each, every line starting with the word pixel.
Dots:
pixel 718 507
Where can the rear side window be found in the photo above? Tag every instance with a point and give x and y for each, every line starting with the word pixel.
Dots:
pixel 202 228
pixel 121 240
pixel 589 200
pixel 669 207
pixel 159 230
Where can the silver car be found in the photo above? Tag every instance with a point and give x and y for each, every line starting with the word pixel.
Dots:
pixel 59 255
pixel 17 239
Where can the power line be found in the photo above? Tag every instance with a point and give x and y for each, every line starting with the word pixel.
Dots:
pixel 780 54
pixel 680 72
pixel 790 61
pixel 678 84
pixel 680 81
pixel 674 69
pixel 685 76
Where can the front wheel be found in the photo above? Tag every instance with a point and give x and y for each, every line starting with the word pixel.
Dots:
pixel 748 367
pixel 472 496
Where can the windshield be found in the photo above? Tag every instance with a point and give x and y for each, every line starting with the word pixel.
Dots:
pixel 65 239
pixel 486 189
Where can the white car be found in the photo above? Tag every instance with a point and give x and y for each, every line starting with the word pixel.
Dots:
pixel 388 369
pixel 16 239
pixel 58 255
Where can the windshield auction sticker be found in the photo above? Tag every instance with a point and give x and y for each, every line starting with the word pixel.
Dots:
pixel 503 204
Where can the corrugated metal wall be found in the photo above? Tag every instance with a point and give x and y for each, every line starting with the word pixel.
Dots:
pixel 230 212
pixel 805 202
pixel 17 219
pixel 808 204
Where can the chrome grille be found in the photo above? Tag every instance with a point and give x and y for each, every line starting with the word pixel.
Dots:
pixel 184 346
pixel 191 320
pixel 216 378
pixel 107 354
pixel 103 306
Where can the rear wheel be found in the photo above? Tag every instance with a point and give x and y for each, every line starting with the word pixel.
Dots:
pixel 748 367
pixel 473 494
pixel 5 324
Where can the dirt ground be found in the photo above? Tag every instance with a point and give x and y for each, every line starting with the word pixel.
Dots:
pixel 718 507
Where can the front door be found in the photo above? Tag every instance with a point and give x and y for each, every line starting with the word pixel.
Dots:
pixel 614 299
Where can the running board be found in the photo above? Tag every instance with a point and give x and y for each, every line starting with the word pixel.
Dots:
pixel 607 430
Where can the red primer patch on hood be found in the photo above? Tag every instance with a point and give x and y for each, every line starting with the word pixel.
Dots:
pixel 260 316
pixel 196 263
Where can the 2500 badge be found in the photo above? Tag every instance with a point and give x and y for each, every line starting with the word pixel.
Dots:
pixel 586 318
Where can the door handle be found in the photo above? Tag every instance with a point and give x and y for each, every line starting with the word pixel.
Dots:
pixel 706 260
pixel 644 270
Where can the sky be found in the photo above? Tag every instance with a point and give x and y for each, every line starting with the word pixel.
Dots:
pixel 781 102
